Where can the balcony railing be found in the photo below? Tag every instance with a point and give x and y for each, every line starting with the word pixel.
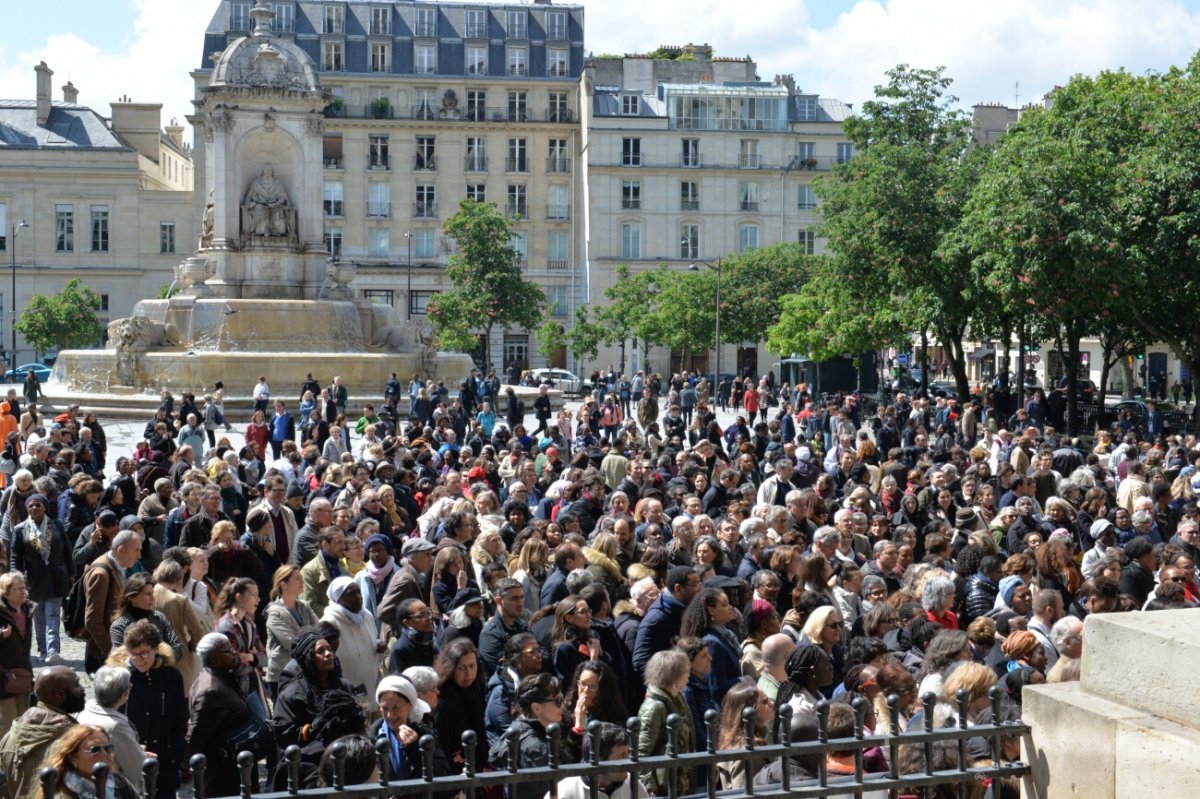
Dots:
pixel 379 162
pixel 425 163
pixel 477 30
pixel 475 163
pixel 691 161
pixel 425 210
pixel 689 205
pixel 558 165
pixel 517 70
pixel 334 163
pixel 558 211
pixel 427 28
pixel 749 161
pixel 516 165
pixel 517 209
pixel 631 203
pixel 434 112
pixel 556 33
pixel 631 159
pixel 379 210
pixel 556 265
pixel 560 115
pixel 812 163
pixel 334 208
pixel 748 205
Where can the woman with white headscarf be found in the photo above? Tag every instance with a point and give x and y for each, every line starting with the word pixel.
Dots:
pixel 359 652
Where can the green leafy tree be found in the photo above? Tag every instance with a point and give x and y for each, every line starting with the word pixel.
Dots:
pixel 753 284
pixel 886 213
pixel 488 288
pixel 66 320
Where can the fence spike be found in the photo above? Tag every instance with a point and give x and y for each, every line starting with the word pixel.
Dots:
pixel 48 778
pixel 100 778
pixel 150 777
pixel 245 762
pixel 383 760
pixel 198 765
pixel 291 756
pixel 338 753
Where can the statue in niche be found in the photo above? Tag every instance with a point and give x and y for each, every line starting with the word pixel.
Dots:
pixel 207 226
pixel 267 205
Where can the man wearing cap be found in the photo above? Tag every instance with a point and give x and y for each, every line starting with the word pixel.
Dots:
pixel 409 582
pixel 1104 535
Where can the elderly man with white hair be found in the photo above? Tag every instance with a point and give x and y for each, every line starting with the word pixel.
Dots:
pixel 1067 637
pixel 111 687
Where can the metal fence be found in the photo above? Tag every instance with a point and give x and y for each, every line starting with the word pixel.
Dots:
pixel 472 781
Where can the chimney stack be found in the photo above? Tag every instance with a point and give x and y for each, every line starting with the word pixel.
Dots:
pixel 44 74
pixel 175 132
pixel 70 93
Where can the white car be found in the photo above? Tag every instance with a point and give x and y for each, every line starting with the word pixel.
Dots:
pixel 561 379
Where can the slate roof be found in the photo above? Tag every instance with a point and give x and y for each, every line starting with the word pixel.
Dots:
pixel 70 126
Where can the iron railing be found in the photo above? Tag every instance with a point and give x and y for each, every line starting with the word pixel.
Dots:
pixel 471 781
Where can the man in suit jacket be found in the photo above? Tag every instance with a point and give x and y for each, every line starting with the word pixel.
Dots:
pixel 407 583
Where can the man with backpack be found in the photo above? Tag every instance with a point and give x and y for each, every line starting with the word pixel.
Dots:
pixel 103 584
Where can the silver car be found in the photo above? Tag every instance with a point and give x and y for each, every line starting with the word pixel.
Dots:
pixel 561 379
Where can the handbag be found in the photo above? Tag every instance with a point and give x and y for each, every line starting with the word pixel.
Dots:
pixel 18 682
pixel 7 465
pixel 253 736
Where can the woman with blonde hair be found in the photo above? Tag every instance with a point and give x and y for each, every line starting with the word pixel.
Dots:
pixel 286 616
pixel 532 564
pixel 824 627
pixel 488 548
pixel 601 557
pixel 80 749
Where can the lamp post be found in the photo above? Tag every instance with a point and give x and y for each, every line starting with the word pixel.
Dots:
pixel 408 292
pixel 716 267
pixel 12 243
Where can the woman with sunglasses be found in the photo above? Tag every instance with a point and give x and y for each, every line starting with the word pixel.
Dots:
pixel 571 638
pixel 79 750
pixel 540 702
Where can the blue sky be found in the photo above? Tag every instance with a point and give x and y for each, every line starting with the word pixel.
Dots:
pixel 840 48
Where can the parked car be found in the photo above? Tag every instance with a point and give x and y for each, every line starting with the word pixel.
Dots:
pixel 561 379
pixel 1174 421
pixel 18 375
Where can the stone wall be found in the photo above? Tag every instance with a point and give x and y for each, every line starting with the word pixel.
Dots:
pixel 1131 726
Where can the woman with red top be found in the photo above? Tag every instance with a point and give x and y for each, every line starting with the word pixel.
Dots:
pixel 258 431
pixel 750 400
pixel 937 599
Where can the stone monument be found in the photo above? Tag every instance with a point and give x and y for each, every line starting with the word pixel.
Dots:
pixel 261 294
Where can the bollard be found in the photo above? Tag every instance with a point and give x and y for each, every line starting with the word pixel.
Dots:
pixel 150 776
pixel 198 764
pixel 292 756
pixel 245 762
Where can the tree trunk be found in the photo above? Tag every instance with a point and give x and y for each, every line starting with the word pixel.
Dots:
pixel 1072 379
pixel 1126 378
pixel 1005 382
pixel 623 355
pixel 1022 354
pixel 952 341
pixel 924 364
pixel 1106 364
pixel 487 348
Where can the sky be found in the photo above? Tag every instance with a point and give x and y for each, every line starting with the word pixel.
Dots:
pixel 1006 51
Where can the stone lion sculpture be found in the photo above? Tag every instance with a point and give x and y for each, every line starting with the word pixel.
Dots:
pixel 139 334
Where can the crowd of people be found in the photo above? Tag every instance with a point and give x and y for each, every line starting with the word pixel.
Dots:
pixel 446 567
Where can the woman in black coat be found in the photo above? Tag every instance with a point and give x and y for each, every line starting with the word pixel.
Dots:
pixel 47 566
pixel 157 706
pixel 16 622
pixel 299 700
pixel 461 701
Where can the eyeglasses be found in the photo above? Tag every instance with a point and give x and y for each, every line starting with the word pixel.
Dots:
pixel 556 701
pixel 141 655
pixel 98 748
pixel 584 612
pixel 425 614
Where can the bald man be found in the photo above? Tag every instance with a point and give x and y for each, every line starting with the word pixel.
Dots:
pixel 776 649
pixel 24 748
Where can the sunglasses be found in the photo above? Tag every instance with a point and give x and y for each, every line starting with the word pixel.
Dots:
pixel 98 748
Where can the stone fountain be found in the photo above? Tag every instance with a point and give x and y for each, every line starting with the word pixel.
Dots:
pixel 260 296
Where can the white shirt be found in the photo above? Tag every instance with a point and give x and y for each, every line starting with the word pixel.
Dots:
pixel 261 391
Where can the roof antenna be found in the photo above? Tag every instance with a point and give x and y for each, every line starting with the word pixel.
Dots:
pixel 1017 94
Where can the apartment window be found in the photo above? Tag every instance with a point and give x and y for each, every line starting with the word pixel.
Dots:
pixel 476 157
pixel 518 156
pixel 559 246
pixel 518 24
pixel 64 228
pixel 332 60
pixel 381 21
pixel 102 306
pixel 332 195
pixel 477 192
pixel 806 198
pixel 516 349
pixel 519 241
pixel 747 237
pixel 426 206
pixel 556 62
pixel 557 109
pixel 806 108
pixel 333 241
pixel 748 157
pixel 689 196
pixel 335 20
pixel 807 240
pixel 378 156
pixel 559 203
pixel 379 200
pixel 426 21
pixel 166 238
pixel 518 204
pixel 556 300
pixel 518 107
pixel 631 194
pixel 285 18
pixel 556 25
pixel 845 151
pixel 380 296
pixel 558 163
pixel 689 242
pixel 518 62
pixel 426 59
pixel 630 104
pixel 380 57
pixel 426 157
pixel 631 241
pixel 418 302
pixel 425 242
pixel 690 153
pixel 476 106
pixel 631 152
pixel 477 59
pixel 239 17
pixel 378 242
pixel 424 103
pixel 748 197
pixel 805 149
pixel 476 23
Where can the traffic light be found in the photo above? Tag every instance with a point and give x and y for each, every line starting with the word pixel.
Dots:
pixel 1141 356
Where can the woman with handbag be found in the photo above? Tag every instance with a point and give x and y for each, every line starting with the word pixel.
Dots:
pixel 220 723
pixel 236 606
pixel 16 636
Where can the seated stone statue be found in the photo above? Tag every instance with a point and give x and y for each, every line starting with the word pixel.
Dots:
pixel 267 204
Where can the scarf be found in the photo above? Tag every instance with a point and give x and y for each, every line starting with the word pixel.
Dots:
pixel 38 537
pixel 355 618
pixel 85 789
pixel 378 575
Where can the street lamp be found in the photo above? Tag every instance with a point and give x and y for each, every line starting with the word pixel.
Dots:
pixel 716 267
pixel 408 293
pixel 13 300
